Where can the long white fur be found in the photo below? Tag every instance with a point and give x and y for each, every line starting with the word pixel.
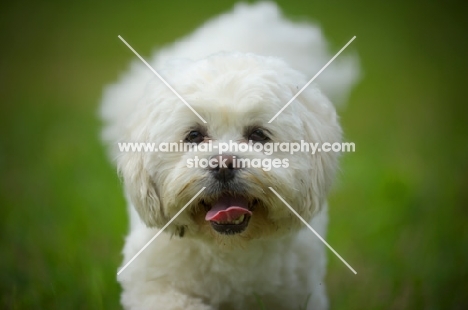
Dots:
pixel 225 71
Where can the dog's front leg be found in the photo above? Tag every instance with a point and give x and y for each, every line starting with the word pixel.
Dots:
pixel 142 296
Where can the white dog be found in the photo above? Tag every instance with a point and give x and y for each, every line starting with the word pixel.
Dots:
pixel 237 245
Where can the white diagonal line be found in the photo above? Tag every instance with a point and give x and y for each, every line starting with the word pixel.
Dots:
pixel 160 77
pixel 307 224
pixel 159 232
pixel 311 80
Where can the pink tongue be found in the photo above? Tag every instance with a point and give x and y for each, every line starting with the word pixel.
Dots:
pixel 228 209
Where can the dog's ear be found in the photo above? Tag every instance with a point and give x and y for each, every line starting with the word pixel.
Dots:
pixel 141 188
pixel 320 125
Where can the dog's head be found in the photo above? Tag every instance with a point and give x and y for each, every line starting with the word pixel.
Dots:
pixel 237 94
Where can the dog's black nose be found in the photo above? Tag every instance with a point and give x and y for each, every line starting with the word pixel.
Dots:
pixel 223 167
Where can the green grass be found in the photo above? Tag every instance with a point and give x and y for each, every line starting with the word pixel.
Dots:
pixel 398 212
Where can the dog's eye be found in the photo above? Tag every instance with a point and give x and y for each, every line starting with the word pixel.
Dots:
pixel 258 135
pixel 194 137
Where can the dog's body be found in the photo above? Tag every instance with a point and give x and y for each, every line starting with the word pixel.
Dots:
pixel 199 261
pixel 183 273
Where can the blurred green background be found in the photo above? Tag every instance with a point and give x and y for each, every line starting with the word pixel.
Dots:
pixel 399 209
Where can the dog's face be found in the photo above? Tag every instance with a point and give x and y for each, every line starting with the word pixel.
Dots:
pixel 237 94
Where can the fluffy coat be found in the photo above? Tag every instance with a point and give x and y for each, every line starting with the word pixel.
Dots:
pixel 237 71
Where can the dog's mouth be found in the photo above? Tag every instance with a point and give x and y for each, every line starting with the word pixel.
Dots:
pixel 229 214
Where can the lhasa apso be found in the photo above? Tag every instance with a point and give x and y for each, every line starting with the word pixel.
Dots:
pixel 236 245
